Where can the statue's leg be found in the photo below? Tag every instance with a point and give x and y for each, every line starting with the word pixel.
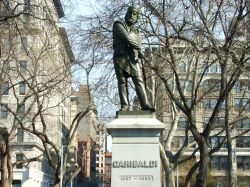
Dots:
pixel 122 87
pixel 141 93
pixel 123 92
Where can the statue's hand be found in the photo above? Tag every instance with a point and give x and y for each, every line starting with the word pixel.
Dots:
pixel 143 57
pixel 149 62
pixel 140 55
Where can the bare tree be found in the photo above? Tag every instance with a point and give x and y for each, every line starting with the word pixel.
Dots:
pixel 209 35
pixel 36 62
pixel 185 41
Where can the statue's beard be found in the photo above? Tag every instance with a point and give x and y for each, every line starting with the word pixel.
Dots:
pixel 130 20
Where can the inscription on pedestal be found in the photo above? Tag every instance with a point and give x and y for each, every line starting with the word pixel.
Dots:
pixel 136 177
pixel 134 164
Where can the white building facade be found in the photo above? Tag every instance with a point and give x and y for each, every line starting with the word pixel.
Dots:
pixel 35 86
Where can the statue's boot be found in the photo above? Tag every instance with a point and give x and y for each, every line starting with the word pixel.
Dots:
pixel 141 93
pixel 123 94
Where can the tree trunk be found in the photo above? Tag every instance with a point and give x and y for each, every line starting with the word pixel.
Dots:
pixel 4 167
pixel 232 178
pixel 190 174
pixel 57 184
pixel 201 177
pixel 231 174
pixel 170 182
pixel 57 180
pixel 169 175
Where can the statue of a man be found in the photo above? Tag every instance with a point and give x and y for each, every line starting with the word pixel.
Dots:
pixel 126 44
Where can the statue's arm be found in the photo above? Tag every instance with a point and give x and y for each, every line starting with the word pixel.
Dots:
pixel 121 32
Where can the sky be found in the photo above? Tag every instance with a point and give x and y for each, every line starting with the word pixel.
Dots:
pixel 78 7
pixel 72 10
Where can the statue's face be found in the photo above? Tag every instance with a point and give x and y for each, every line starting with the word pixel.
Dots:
pixel 131 16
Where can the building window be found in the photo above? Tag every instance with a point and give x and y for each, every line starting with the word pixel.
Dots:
pixel 219 162
pixel 209 103
pixel 243 162
pixel 5 88
pixel 220 121
pixel 241 104
pixel 23 66
pixel 245 86
pixel 26 9
pixel 241 86
pixel 205 121
pixel 214 68
pixel 206 85
pixel 237 87
pixel 45 13
pixel 19 157
pixel 97 139
pixel 24 43
pixel 244 184
pixel 212 103
pixel 182 67
pixel 237 103
pixel 243 141
pixel 26 4
pixel 6 3
pixel 21 110
pixel 243 124
pixel 245 103
pixel 7 44
pixel 187 85
pixel 26 18
pixel 223 105
pixel 45 166
pixel 3 111
pixel 22 88
pixel 211 85
pixel 6 66
pixel 182 122
pixel 218 184
pixel 216 140
pixel 20 135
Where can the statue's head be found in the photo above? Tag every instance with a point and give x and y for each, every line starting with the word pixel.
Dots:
pixel 132 15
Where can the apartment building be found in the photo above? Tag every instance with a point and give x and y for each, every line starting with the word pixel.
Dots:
pixel 35 84
pixel 208 93
pixel 108 168
pixel 101 147
pixel 86 133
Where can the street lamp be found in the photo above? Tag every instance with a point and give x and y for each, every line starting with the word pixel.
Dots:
pixel 62 162
pixel 177 176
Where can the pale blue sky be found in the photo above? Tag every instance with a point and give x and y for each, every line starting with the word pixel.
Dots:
pixel 81 7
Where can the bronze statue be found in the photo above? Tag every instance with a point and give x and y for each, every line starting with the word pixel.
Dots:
pixel 127 54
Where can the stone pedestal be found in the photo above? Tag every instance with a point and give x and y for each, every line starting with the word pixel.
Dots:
pixel 135 150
